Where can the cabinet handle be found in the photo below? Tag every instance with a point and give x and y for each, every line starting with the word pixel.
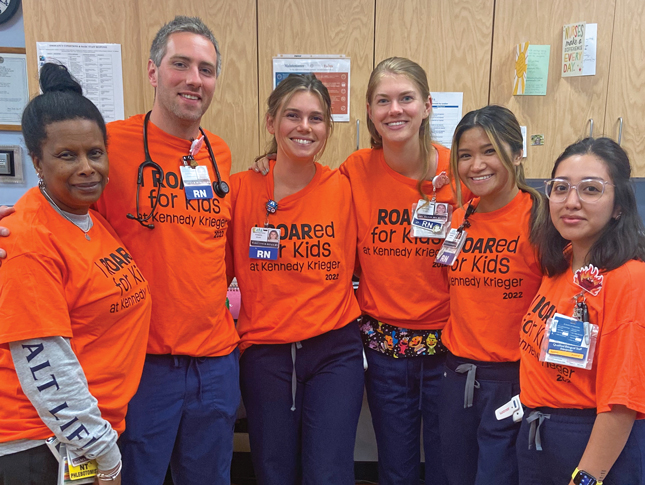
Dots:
pixel 358 134
pixel 591 127
pixel 620 130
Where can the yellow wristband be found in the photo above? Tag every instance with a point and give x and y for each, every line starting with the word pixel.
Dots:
pixel 577 470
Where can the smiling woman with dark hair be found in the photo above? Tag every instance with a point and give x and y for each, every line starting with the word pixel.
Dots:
pixel 585 402
pixel 74 308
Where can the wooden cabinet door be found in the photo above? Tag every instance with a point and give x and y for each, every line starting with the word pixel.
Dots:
pixel 626 94
pixel 320 27
pixel 450 39
pixel 563 115
pixel 83 21
pixel 233 114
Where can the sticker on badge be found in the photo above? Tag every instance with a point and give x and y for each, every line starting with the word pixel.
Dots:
pixel 265 243
pixel 431 219
pixel 197 182
pixel 589 279
pixel 451 247
pixel 569 341
pixel 68 474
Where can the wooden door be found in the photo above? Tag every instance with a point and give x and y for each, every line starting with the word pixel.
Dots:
pixel 450 39
pixel 320 27
pixel 133 24
pixel 233 112
pixel 86 21
pixel 563 115
pixel 626 94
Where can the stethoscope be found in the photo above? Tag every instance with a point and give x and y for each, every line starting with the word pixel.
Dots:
pixel 220 187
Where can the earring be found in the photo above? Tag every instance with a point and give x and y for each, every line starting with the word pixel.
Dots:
pixel 41 182
pixel 618 216
pixel 107 181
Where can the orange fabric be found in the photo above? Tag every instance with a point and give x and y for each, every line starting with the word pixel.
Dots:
pixel 183 256
pixel 307 291
pixel 56 283
pixel 492 282
pixel 619 363
pixel 399 282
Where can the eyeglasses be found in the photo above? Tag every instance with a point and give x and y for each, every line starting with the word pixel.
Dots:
pixel 589 190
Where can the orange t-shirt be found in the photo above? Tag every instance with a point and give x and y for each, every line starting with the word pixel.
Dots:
pixel 399 283
pixel 619 362
pixel 56 283
pixel 492 283
pixel 308 290
pixel 183 256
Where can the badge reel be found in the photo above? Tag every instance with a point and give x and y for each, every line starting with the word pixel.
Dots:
pixel 72 469
pixel 432 218
pixel 265 241
pixel 451 246
pixel 196 179
pixel 511 408
pixel 571 341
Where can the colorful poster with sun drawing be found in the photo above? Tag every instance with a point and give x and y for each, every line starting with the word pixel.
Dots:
pixel 521 65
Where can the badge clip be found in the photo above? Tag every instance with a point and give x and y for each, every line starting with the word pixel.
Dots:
pixel 511 408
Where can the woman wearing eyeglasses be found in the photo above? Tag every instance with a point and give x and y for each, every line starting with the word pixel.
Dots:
pixel 584 405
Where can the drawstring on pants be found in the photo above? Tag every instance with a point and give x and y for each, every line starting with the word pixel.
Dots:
pixel 471 383
pixel 294 379
pixel 192 361
pixel 535 419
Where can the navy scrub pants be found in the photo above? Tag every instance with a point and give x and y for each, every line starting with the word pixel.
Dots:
pixel 183 414
pixel 476 447
pixel 563 435
pixel 402 393
pixel 307 436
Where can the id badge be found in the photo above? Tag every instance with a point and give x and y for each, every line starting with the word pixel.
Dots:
pixel 569 341
pixel 69 474
pixel 451 247
pixel 265 243
pixel 197 182
pixel 431 219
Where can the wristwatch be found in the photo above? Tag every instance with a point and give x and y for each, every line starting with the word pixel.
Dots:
pixel 581 477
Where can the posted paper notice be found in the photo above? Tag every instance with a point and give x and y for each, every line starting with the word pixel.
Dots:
pixel 446 113
pixel 333 71
pixel 591 41
pixel 573 49
pixel 531 69
pixel 14 92
pixel 96 66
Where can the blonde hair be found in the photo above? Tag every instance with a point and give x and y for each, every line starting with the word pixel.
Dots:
pixel 283 93
pixel 415 73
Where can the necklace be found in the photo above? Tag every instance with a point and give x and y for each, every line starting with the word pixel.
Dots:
pixel 87 221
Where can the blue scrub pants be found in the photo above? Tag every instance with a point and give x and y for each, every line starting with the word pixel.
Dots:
pixel 313 443
pixel 476 447
pixel 563 437
pixel 402 393
pixel 183 414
